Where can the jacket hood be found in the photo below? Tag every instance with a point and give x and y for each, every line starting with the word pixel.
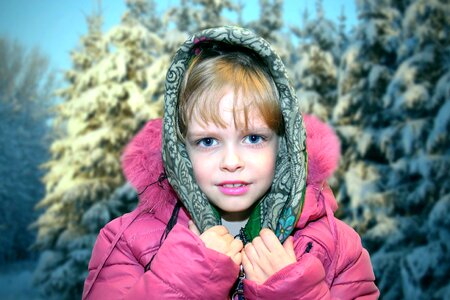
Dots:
pixel 284 200
pixel 143 167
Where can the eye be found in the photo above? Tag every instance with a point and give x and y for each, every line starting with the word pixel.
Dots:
pixel 207 142
pixel 254 139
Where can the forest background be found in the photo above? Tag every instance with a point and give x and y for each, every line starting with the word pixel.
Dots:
pixel 380 77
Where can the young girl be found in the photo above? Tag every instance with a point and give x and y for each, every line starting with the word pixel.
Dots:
pixel 233 204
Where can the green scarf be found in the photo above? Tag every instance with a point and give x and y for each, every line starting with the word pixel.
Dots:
pixel 280 208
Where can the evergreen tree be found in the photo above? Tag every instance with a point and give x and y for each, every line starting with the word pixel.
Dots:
pixel 25 95
pixel 193 15
pixel 73 179
pixel 315 73
pixel 415 250
pixel 270 20
pixel 270 26
pixel 364 73
pixel 391 115
pixel 144 13
pixel 342 41
pixel 115 86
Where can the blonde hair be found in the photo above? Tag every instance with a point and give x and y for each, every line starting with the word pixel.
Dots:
pixel 209 78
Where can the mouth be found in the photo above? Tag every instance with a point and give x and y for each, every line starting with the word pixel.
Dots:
pixel 234 188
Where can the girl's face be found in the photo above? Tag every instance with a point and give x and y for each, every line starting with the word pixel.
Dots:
pixel 234 167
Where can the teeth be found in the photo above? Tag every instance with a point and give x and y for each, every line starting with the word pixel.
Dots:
pixel 232 185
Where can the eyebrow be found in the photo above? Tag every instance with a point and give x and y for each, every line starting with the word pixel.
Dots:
pixel 259 129
pixel 208 132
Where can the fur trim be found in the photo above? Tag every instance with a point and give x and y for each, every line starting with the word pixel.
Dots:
pixel 143 167
pixel 323 148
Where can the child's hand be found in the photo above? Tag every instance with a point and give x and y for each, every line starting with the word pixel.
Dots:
pixel 219 239
pixel 265 256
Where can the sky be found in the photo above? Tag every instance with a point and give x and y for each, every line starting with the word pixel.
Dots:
pixel 55 26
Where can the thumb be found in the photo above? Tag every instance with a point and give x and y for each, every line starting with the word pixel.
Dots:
pixel 288 246
pixel 193 228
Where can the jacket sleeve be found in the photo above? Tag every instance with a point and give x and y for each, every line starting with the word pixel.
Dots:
pixel 356 281
pixel 183 268
pixel 314 277
pixel 304 279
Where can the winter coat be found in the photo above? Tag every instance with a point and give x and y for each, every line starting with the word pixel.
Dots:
pixel 331 263
pixel 135 258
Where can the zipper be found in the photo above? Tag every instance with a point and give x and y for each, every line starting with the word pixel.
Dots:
pixel 238 293
pixel 238 288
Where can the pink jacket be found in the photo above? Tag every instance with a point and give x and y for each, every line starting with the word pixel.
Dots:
pixel 331 262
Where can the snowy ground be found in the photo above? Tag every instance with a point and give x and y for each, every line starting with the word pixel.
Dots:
pixel 16 281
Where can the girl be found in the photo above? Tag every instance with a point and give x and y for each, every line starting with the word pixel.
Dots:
pixel 233 207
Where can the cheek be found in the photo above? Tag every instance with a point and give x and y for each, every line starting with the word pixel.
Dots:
pixel 201 168
pixel 267 160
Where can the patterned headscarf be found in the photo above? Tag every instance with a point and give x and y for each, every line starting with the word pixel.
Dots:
pixel 280 208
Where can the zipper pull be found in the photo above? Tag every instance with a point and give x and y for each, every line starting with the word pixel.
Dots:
pixel 238 288
pixel 238 293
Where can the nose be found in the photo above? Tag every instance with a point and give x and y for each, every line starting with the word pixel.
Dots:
pixel 231 160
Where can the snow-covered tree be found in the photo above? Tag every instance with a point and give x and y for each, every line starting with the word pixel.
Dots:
pixel 414 250
pixel 318 54
pixel 270 25
pixel 392 116
pixel 115 86
pixel 365 70
pixel 25 95
pixel 144 13
pixel 270 20
pixel 193 15
pixel 74 177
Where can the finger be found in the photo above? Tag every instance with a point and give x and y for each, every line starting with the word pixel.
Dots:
pixel 270 240
pixel 227 239
pixel 251 253
pixel 288 246
pixel 257 273
pixel 247 264
pixel 261 249
pixel 219 229
pixel 236 246
pixel 267 260
pixel 193 228
pixel 237 258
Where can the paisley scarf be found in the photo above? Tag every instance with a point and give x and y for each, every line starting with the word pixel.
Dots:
pixel 280 208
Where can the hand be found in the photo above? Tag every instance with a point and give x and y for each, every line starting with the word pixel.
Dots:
pixel 219 239
pixel 265 256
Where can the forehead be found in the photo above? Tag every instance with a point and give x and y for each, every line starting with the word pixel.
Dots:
pixel 232 110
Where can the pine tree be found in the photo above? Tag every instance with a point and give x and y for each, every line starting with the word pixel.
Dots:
pixel 144 13
pixel 391 115
pixel 75 178
pixel 270 20
pixel 115 86
pixel 315 73
pixel 270 26
pixel 191 16
pixel 25 95
pixel 415 251
pixel 364 73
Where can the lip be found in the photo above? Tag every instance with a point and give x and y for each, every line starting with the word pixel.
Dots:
pixel 233 188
